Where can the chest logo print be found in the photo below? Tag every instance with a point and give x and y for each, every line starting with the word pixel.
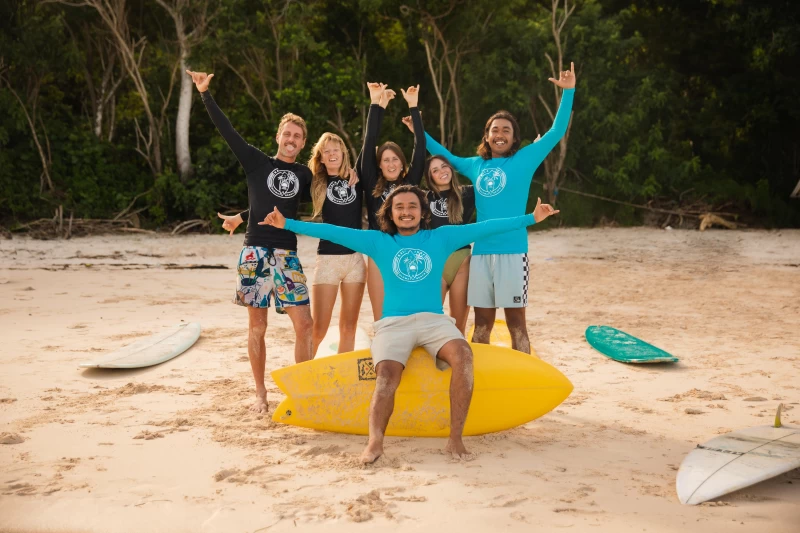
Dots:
pixel 283 183
pixel 412 265
pixel 491 182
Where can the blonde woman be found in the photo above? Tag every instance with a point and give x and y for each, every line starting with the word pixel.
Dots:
pixel 337 195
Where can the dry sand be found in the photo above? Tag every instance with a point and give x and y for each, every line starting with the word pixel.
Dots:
pixel 173 448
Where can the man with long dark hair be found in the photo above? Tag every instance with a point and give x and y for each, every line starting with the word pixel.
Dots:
pixel 502 174
pixel 411 260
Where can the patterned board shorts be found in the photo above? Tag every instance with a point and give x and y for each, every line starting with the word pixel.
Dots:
pixel 264 272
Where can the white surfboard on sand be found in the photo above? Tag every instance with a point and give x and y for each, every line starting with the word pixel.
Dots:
pixel 330 344
pixel 150 350
pixel 737 460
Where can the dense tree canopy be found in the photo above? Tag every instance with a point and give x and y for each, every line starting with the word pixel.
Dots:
pixel 685 105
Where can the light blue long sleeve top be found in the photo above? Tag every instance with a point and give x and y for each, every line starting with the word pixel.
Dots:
pixel 412 265
pixel 502 184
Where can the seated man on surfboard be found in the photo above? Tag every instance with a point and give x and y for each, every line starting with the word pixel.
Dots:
pixel 411 260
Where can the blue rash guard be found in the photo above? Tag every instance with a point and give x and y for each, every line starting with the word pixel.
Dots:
pixel 411 266
pixel 502 184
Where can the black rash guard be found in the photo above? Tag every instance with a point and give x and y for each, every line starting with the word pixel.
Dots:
pixel 270 183
pixel 438 203
pixel 367 163
pixel 342 207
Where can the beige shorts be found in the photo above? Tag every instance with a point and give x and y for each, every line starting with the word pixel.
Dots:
pixel 396 336
pixel 336 269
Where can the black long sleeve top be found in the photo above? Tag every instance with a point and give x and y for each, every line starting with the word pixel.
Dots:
pixel 270 183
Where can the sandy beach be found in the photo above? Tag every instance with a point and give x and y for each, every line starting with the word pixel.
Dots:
pixel 173 448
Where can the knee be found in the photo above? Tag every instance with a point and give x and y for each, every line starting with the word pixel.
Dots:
pixel 304 323
pixel 317 330
pixel 347 330
pixel 258 328
pixel 463 356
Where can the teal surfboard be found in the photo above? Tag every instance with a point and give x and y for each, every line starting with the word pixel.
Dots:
pixel 625 348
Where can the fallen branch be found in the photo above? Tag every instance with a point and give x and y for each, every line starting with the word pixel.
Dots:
pixel 701 215
pixel 183 227
pixel 709 219
pixel 130 205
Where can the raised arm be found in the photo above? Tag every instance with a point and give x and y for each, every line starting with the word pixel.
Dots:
pixel 415 171
pixel 249 156
pixel 364 241
pixel 540 148
pixel 466 166
pixel 417 168
pixel 367 162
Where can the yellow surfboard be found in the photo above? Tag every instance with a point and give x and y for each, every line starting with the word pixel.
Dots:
pixel 333 393
pixel 500 335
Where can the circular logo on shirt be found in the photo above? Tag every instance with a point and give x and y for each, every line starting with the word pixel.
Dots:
pixel 491 181
pixel 385 194
pixel 283 183
pixel 340 193
pixel 411 264
pixel 439 207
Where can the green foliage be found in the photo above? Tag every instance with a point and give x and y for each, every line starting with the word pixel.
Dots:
pixel 677 101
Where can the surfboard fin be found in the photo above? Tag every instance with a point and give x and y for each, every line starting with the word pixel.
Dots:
pixel 778 416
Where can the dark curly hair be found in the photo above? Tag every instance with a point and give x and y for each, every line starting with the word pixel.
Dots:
pixel 484 150
pixel 384 214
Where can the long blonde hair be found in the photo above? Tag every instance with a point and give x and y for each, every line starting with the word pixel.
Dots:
pixel 455 207
pixel 319 184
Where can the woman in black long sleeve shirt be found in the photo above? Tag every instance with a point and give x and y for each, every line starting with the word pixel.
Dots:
pixel 384 169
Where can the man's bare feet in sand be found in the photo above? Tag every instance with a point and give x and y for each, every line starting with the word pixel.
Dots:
pixel 457 449
pixel 371 452
pixel 260 404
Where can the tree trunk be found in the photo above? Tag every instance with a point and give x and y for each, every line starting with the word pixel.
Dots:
pixel 182 153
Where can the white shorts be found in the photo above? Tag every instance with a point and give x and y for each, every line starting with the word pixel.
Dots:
pixel 336 269
pixel 498 281
pixel 396 336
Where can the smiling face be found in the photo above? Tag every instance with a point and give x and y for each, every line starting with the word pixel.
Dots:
pixel 500 136
pixel 406 212
pixel 441 174
pixel 291 139
pixel 390 164
pixel 332 157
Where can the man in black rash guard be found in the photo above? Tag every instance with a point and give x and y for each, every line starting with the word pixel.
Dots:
pixel 268 264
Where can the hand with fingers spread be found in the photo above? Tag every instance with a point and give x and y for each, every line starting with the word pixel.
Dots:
pixel 542 211
pixel 386 96
pixel 375 91
pixel 411 95
pixel 566 80
pixel 274 219
pixel 200 79
pixel 230 223
pixel 353 178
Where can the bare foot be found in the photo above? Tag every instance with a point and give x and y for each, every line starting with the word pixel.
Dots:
pixel 371 452
pixel 457 449
pixel 260 404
